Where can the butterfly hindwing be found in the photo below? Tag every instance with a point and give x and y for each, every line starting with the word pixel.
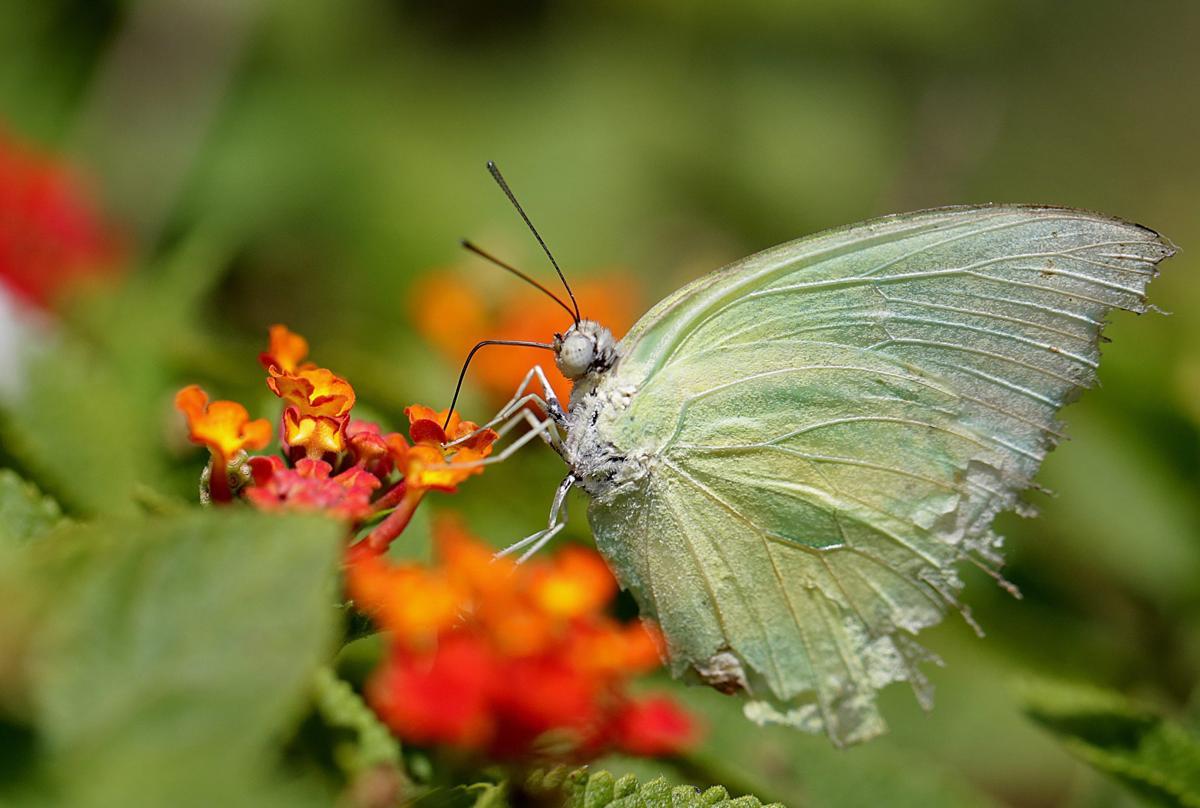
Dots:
pixel 830 426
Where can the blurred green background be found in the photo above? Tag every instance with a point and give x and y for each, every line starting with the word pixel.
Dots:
pixel 308 162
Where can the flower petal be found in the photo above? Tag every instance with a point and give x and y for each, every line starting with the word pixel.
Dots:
pixel 285 350
pixel 223 426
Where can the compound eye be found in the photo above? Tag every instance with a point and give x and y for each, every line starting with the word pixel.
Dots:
pixel 575 355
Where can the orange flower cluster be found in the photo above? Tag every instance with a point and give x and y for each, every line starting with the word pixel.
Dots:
pixel 51 234
pixel 484 655
pixel 346 467
pixel 450 313
pixel 512 661
pixel 318 402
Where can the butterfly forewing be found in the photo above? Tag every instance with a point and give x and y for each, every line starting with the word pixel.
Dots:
pixel 830 426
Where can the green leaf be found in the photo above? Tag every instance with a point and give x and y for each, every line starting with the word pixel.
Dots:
pixel 1156 757
pixel 92 412
pixel 801 769
pixel 85 429
pixel 171 656
pixel 583 789
pixel 25 513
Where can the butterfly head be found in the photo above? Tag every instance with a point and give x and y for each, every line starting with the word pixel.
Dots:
pixel 587 347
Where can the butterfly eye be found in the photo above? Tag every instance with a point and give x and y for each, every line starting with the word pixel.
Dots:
pixel 575 354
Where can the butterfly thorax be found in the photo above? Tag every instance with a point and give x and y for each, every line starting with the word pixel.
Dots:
pixel 589 355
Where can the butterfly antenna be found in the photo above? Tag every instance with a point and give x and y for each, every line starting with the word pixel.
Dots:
pixel 467 245
pixel 499 178
pixel 463 373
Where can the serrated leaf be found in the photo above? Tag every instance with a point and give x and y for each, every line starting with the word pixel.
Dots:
pixel 171 655
pixel 373 746
pixel 475 795
pixel 1156 757
pixel 583 789
pixel 25 512
pixel 491 795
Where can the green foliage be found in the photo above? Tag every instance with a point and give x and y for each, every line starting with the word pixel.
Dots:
pixel 796 768
pixel 475 795
pixel 1157 757
pixel 25 513
pixel 341 707
pixel 89 457
pixel 169 657
pixel 663 137
pixel 568 787
pixel 490 795
pixel 581 788
pixel 90 421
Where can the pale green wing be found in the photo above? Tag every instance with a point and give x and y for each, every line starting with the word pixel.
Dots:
pixel 831 425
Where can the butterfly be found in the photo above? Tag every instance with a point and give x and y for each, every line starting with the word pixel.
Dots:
pixel 789 459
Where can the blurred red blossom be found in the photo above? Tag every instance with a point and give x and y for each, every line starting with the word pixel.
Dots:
pixel 653 727
pixel 513 661
pixel 51 233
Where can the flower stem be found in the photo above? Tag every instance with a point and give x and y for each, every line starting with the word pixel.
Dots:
pixel 218 480
pixel 392 498
pixel 378 540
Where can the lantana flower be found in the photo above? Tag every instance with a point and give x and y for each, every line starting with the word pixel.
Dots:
pixel 318 401
pixel 428 464
pixel 346 467
pixel 437 460
pixel 483 655
pixel 512 661
pixel 225 428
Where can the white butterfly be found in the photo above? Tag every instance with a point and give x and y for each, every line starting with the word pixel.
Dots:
pixel 788 458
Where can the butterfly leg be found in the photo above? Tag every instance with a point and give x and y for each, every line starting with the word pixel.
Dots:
pixel 520 399
pixel 506 416
pixel 552 406
pixel 547 401
pixel 514 413
pixel 537 541
pixel 545 429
